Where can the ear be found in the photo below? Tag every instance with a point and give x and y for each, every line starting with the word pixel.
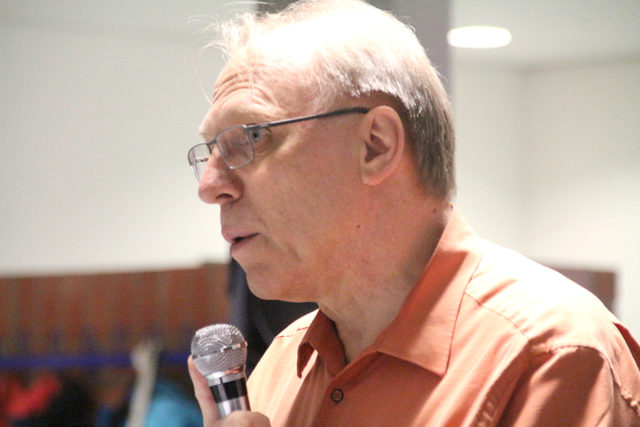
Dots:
pixel 383 146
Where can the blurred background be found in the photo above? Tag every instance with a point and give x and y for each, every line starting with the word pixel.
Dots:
pixel 101 101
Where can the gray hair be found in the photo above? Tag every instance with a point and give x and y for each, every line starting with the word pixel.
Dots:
pixel 339 48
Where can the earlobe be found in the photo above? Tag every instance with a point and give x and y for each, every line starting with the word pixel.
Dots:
pixel 383 144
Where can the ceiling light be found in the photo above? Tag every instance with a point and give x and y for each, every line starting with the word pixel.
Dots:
pixel 479 37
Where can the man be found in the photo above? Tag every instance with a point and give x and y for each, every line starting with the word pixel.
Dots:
pixel 337 190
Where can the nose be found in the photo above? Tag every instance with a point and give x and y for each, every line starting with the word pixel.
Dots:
pixel 219 184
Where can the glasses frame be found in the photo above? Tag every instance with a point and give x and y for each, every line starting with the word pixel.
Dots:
pixel 252 137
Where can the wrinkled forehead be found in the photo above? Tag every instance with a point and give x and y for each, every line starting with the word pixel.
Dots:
pixel 272 86
pixel 251 92
pixel 282 58
pixel 246 77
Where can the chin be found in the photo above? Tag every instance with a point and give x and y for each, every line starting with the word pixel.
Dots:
pixel 268 287
pixel 263 286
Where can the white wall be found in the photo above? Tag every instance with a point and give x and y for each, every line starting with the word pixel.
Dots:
pixel 489 131
pixel 95 124
pixel 549 164
pixel 583 175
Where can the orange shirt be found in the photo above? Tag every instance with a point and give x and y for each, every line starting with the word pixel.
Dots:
pixel 485 338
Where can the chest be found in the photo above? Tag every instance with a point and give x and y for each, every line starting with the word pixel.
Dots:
pixel 384 391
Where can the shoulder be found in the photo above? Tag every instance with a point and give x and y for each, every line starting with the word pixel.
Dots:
pixel 546 329
pixel 542 305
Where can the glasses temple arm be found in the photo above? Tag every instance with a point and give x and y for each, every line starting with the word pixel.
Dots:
pixel 361 110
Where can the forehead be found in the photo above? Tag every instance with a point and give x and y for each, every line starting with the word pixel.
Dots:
pixel 250 92
pixel 246 79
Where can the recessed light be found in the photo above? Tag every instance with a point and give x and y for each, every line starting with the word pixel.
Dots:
pixel 479 37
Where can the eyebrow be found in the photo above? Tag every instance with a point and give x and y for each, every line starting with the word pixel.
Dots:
pixel 246 116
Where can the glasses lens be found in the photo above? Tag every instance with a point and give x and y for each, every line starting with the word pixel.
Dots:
pixel 235 147
pixel 198 157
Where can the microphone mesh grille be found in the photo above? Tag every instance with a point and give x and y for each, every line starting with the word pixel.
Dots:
pixel 218 348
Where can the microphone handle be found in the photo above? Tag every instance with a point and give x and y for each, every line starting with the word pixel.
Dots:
pixel 230 393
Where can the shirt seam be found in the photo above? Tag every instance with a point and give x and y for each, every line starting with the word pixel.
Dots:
pixel 291 334
pixel 634 405
pixel 551 349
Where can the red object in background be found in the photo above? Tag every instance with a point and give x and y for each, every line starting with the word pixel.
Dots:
pixel 18 402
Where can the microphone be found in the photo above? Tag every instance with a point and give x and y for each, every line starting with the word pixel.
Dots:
pixel 220 352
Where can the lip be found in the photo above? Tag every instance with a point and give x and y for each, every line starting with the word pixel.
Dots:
pixel 241 241
pixel 239 244
pixel 236 236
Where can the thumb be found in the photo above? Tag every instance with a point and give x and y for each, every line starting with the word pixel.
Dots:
pixel 203 395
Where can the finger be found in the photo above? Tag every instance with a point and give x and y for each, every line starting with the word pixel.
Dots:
pixel 203 395
pixel 245 418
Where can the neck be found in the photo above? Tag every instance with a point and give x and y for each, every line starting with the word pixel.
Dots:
pixel 373 295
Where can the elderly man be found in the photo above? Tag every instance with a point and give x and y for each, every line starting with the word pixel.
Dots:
pixel 330 154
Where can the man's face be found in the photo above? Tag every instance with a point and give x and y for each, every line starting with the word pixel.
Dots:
pixel 292 214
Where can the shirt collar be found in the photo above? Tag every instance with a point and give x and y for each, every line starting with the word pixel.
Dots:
pixel 428 315
pixel 322 337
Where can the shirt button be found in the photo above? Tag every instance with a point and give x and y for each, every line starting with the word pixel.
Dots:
pixel 337 395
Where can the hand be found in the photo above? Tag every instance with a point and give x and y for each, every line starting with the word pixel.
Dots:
pixel 243 419
pixel 210 415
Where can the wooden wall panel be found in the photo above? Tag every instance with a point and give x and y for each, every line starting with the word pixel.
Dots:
pixel 600 283
pixel 85 317
pixel 98 318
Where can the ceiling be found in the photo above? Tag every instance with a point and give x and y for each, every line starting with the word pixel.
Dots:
pixel 544 31
pixel 554 31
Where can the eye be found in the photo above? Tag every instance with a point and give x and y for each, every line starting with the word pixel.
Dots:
pixel 255 134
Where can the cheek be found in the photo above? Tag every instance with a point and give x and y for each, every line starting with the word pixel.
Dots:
pixel 309 187
pixel 297 213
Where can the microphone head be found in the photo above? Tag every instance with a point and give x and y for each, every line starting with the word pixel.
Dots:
pixel 218 348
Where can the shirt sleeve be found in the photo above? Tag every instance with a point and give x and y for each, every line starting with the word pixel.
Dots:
pixel 570 386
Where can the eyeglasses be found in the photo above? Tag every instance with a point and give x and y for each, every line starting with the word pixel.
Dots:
pixel 236 142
